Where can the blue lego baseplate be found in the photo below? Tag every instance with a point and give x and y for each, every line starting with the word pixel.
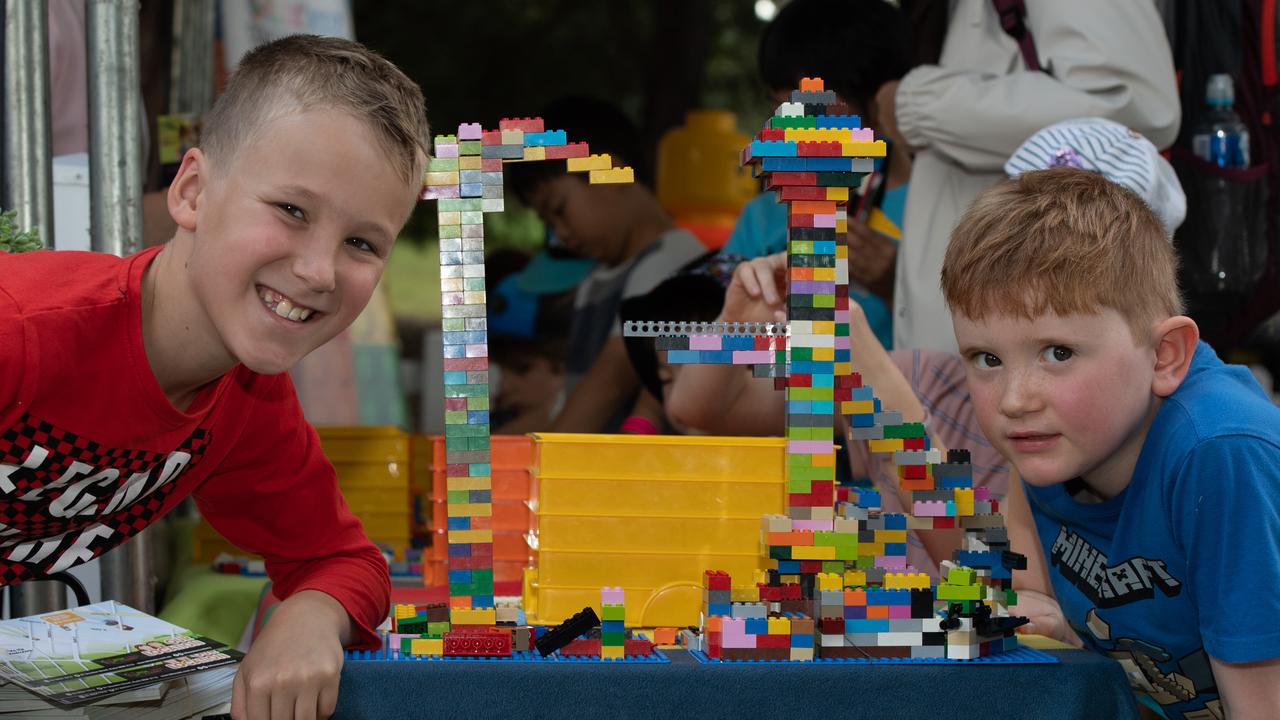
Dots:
pixel 1021 656
pixel 386 655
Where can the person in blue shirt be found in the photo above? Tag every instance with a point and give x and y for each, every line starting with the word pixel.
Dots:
pixel 854 46
pixel 1150 470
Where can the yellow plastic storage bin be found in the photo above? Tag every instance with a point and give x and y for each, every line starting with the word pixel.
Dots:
pixel 648 514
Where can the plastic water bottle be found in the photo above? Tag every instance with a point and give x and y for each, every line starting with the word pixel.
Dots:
pixel 1233 260
pixel 1223 140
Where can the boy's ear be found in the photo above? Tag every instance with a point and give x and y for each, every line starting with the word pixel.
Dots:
pixel 1175 341
pixel 187 187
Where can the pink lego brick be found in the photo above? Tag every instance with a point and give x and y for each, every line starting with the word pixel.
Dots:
pixel 704 342
pixel 469 131
pixel 811 447
pixel 752 357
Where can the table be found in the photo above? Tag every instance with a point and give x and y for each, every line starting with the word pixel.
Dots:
pixel 1083 685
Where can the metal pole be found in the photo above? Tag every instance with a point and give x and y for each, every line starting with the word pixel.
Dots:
pixel 29 174
pixel 115 126
pixel 191 67
pixel 36 596
pixel 128 574
pixel 115 215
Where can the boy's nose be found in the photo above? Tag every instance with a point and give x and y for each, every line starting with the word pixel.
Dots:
pixel 314 266
pixel 1019 395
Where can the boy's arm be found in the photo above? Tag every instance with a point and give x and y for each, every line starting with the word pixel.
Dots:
pixel 608 386
pixel 1102 58
pixel 1035 592
pixel 277 496
pixel 1249 691
pixel 12 353
pixel 1224 504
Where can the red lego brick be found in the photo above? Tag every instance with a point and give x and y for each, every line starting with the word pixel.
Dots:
pixel 800 220
pixel 563 152
pixel 716 580
pixel 491 137
pixel 802 380
pixel 784 179
pixel 809 566
pixel 477 644
pixel 772 134
pixel 773 641
pixel 832 626
pixel 637 648
pixel 817 149
pixel 944 523
pixel 528 125
pixel 491 164
pixel 801 192
pixel 912 472
pixel 582 647
pixel 913 444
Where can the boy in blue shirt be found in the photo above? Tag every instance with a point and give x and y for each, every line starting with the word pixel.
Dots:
pixel 1150 467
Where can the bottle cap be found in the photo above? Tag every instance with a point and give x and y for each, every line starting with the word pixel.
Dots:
pixel 1220 90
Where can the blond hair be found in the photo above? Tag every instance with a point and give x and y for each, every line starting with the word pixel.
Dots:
pixel 1065 241
pixel 300 73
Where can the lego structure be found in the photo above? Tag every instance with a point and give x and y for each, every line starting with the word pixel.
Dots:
pixel 466 180
pixel 838 585
pixel 839 573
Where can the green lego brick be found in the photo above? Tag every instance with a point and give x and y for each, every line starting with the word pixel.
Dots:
pixel 905 430
pixel 437 629
pixel 797 482
pixel 443 164
pixel 469 147
pixel 801 247
pixel 947 591
pixel 961 576
pixel 833 566
pixel 478 403
pixel 455 417
pixel 453 324
pixel 824 301
pixel 467 390
pixel 802 353
pixel 449 232
pixel 801 121
pixel 613 612
pixel 459 497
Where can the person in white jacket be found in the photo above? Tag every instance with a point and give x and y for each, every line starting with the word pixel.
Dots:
pixel 966 115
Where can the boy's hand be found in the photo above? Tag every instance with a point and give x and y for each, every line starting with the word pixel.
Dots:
pixel 872 257
pixel 1045 615
pixel 758 291
pixel 291 672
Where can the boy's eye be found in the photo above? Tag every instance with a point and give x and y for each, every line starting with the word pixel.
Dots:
pixel 362 245
pixel 985 360
pixel 292 210
pixel 1058 354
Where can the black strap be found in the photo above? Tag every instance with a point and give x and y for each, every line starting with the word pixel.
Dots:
pixel 1013 16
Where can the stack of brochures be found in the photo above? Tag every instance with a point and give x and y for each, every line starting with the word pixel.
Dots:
pixel 108 660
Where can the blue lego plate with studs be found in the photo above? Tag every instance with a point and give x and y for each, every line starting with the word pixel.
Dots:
pixel 387 655
pixel 1021 656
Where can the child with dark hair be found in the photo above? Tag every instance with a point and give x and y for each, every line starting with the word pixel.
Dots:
pixel 855 46
pixel 624 229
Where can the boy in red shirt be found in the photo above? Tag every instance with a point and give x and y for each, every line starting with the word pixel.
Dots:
pixel 127 384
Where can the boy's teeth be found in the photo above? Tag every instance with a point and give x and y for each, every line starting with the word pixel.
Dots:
pixel 281 306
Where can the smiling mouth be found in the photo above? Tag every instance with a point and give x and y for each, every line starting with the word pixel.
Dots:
pixel 284 307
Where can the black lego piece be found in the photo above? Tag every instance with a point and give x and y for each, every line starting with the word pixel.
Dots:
pixel 564 633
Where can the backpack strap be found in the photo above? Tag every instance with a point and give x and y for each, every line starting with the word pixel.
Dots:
pixel 1013 16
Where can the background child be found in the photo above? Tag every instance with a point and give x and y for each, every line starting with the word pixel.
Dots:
pixel 623 228
pixel 1148 464
pixel 855 46
pixel 127 384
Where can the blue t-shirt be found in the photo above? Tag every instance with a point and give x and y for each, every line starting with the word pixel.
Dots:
pixel 1185 560
pixel 762 230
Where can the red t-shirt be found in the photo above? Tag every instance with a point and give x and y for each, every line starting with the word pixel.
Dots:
pixel 91 450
